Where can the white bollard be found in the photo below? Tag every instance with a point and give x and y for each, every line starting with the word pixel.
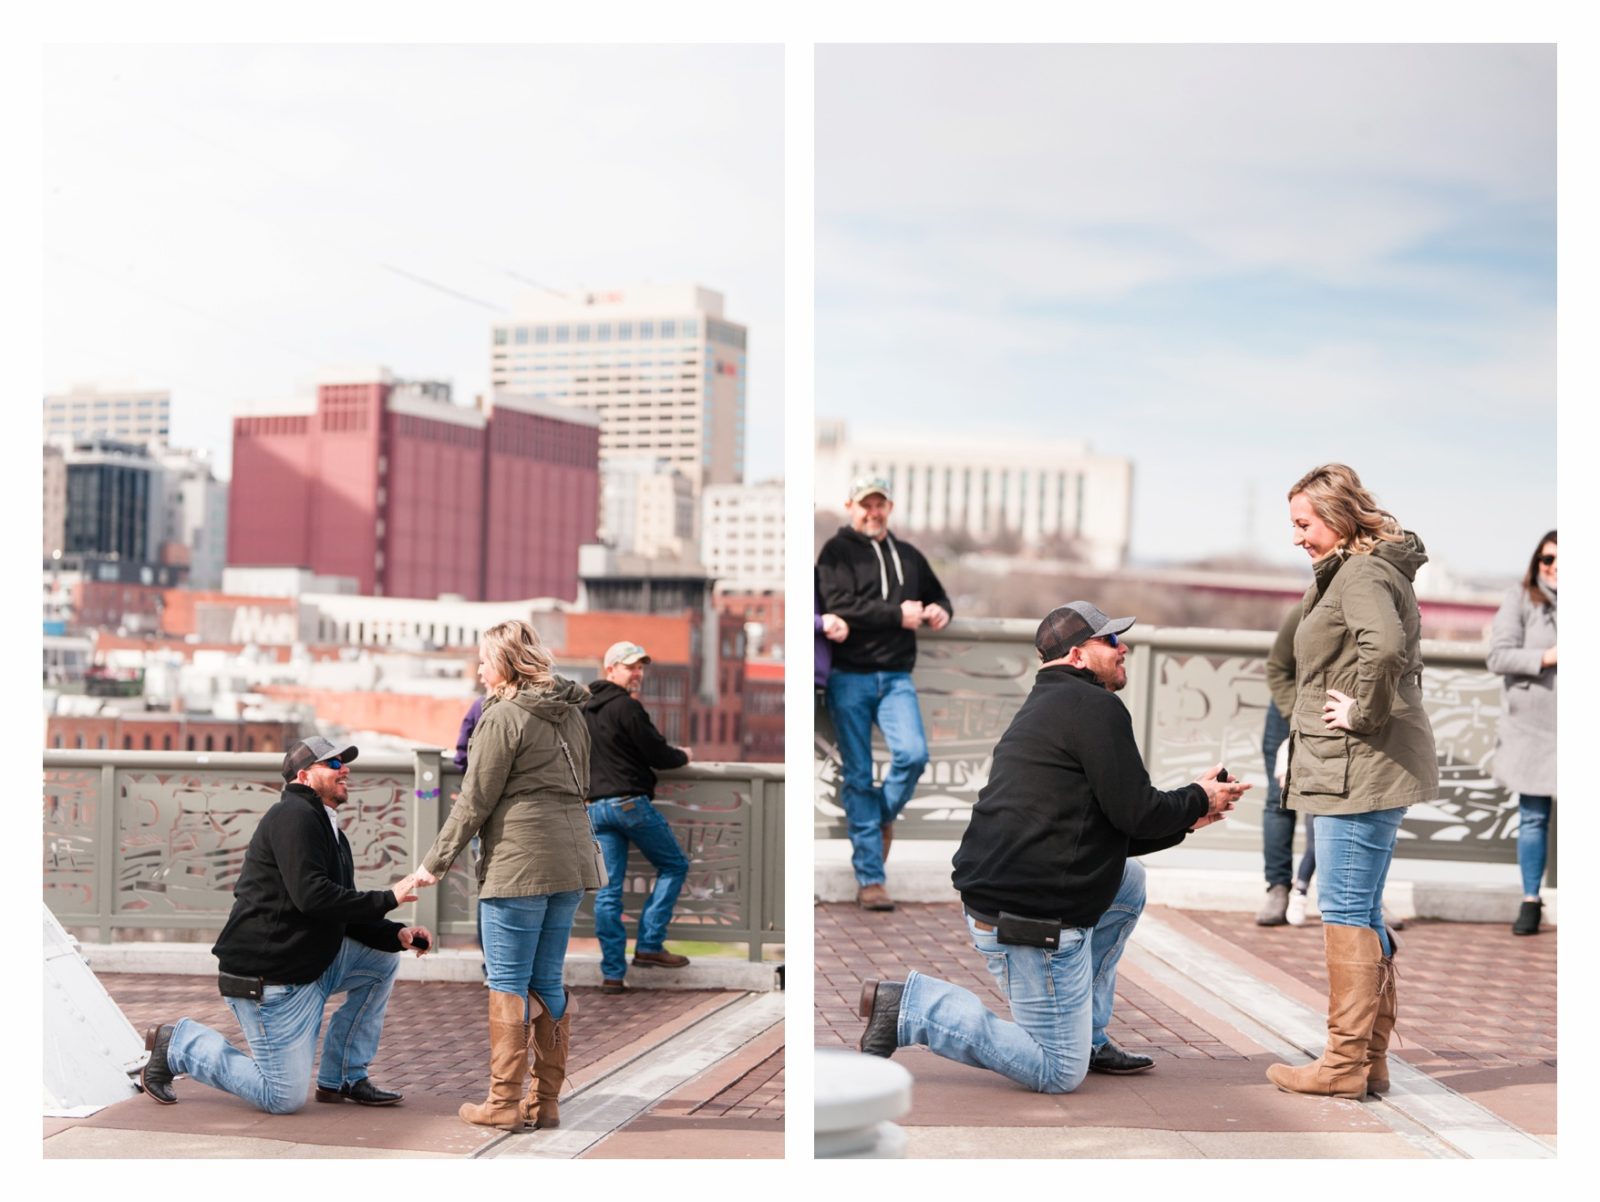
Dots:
pixel 857 1097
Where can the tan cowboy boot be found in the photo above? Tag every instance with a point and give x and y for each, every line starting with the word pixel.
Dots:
pixel 508 1065
pixel 1382 1027
pixel 549 1043
pixel 1354 956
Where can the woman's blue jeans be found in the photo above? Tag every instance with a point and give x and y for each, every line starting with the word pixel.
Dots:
pixel 1533 834
pixel 282 1032
pixel 1354 852
pixel 525 944
pixel 1060 1000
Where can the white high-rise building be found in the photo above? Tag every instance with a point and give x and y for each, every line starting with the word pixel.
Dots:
pixel 646 508
pixel 741 539
pixel 87 412
pixel 1034 489
pixel 659 364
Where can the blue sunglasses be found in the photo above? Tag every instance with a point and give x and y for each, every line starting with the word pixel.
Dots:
pixel 336 763
pixel 1110 640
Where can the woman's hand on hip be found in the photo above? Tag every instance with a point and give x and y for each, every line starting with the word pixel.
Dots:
pixel 1336 713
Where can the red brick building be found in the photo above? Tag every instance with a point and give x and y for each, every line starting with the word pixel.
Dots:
pixel 390 483
pixel 763 712
pixel 167 732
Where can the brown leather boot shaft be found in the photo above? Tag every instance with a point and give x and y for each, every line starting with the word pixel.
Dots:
pixel 549 1042
pixel 1382 1028
pixel 508 1065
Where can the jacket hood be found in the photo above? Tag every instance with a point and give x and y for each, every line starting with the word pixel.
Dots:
pixel 1405 557
pixel 553 705
pixel 602 693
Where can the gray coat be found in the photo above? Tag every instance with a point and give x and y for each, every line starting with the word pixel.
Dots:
pixel 1525 748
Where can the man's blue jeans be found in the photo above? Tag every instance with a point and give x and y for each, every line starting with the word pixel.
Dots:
pixel 1354 852
pixel 1060 1001
pixel 1533 832
pixel 617 821
pixel 525 944
pixel 282 1031
pixel 857 700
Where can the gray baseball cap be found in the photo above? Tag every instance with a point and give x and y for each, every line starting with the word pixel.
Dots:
pixel 1071 625
pixel 314 750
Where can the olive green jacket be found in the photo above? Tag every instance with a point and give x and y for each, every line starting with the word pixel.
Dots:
pixel 527 771
pixel 1280 663
pixel 1360 633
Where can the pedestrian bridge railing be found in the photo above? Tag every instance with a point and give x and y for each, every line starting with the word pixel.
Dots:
pixel 1197 697
pixel 146 842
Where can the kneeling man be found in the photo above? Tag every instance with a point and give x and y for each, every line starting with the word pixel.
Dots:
pixel 1044 873
pixel 299 932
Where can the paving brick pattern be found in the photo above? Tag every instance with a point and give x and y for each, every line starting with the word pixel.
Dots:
pixel 853 945
pixel 1473 995
pixel 758 1094
pixel 435 1035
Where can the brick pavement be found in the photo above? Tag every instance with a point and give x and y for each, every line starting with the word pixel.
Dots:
pixel 435 1050
pixel 1477 1013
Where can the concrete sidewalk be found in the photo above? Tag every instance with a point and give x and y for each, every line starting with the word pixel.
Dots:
pixel 1216 999
pixel 653 1072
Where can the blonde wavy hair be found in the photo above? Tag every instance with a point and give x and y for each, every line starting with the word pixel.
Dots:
pixel 1348 509
pixel 517 652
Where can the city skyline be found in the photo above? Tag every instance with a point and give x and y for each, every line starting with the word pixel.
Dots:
pixel 1226 263
pixel 336 205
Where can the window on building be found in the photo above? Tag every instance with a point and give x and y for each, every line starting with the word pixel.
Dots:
pixel 210 743
pixel 563 333
pixel 541 335
pixel 602 332
pixel 522 336
pixel 100 743
pixel 227 743
pixel 624 331
pixel 79 741
pixel 500 336
pixel 166 742
pixel 583 333
pixel 249 742
pixel 646 331
pixel 127 742
pixel 56 742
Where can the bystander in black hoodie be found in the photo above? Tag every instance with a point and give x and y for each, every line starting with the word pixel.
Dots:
pixel 625 747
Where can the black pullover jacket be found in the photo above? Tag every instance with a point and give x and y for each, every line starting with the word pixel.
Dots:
pixel 624 745
pixel 864 580
pixel 296 898
pixel 1067 802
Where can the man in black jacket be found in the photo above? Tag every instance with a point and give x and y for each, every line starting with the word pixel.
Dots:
pixel 625 749
pixel 299 932
pixel 1044 873
pixel 884 590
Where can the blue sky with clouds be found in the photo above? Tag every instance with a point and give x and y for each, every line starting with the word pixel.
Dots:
pixel 1228 263
pixel 230 221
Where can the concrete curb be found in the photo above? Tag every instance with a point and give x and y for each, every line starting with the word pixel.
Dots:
pixel 1216 889
pixel 449 964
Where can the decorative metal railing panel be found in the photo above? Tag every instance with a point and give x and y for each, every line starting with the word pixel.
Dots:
pixel 1197 697
pixel 155 840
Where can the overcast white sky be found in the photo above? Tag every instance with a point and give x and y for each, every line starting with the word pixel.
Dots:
pixel 1227 263
pixel 229 221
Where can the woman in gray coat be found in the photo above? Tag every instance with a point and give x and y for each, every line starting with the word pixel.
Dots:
pixel 1522 648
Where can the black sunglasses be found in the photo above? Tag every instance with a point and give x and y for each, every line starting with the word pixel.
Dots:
pixel 1547 560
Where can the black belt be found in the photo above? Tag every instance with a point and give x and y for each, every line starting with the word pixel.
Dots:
pixel 988 922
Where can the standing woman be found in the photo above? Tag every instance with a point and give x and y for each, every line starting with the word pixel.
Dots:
pixel 1522 648
pixel 1361 751
pixel 527 773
